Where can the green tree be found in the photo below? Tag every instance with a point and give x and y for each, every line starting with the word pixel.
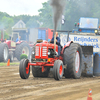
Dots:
pixel 46 15
pixel 24 18
pixel 7 21
pixel 2 14
pixel 33 22
pixel 7 24
pixel 73 11
pixel 96 9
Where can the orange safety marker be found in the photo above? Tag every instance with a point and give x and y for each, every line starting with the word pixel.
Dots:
pixel 89 95
pixel 8 63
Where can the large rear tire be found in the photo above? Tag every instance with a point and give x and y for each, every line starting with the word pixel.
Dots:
pixel 22 48
pixel 37 72
pixel 58 70
pixel 73 59
pixel 4 52
pixel 24 70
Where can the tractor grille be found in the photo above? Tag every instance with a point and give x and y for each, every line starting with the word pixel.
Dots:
pixel 37 51
pixel 44 51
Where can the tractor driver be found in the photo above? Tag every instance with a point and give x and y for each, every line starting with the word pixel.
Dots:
pixel 18 39
pixel 57 42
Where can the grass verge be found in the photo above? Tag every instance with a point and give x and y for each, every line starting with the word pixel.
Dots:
pixel 11 64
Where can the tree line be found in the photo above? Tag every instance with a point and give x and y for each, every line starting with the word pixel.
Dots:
pixel 7 22
pixel 73 11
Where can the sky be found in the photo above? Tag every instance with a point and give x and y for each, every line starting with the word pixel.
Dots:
pixel 19 7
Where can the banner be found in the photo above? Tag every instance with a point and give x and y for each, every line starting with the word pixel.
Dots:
pixel 84 40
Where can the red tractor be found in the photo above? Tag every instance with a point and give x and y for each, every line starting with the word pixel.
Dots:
pixel 10 49
pixel 4 52
pixel 44 57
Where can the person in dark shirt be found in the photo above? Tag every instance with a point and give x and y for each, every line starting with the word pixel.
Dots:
pixel 57 42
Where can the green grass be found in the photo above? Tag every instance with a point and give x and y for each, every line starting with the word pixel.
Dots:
pixel 11 64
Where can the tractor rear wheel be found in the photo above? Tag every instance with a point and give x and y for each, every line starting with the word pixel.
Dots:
pixel 24 70
pixel 37 72
pixel 58 70
pixel 4 52
pixel 73 59
pixel 22 48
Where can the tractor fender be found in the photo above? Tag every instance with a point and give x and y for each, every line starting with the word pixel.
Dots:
pixel 66 45
pixel 19 42
pixel 8 42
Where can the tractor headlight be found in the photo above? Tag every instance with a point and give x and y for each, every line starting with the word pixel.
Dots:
pixel 33 52
pixel 48 52
pixel 96 31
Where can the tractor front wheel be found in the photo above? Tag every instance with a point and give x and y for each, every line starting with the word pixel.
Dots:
pixel 24 69
pixel 58 70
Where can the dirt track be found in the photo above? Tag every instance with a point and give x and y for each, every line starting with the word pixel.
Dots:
pixel 12 87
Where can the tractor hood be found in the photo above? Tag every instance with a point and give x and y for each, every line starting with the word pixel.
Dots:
pixel 41 49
